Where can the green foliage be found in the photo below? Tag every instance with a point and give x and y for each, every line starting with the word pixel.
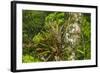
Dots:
pixel 38 38
pixel 56 17
pixel 47 36
pixel 29 59
pixel 84 51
